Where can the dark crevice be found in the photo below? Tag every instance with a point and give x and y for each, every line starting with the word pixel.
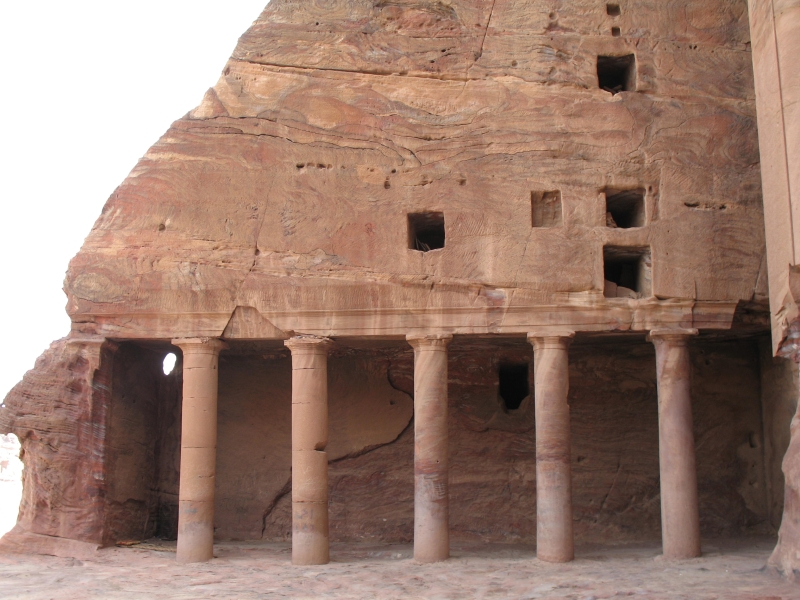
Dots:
pixel 368 449
pixel 287 487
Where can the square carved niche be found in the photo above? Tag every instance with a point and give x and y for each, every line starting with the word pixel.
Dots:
pixel 546 210
pixel 426 231
pixel 625 208
pixel 617 73
pixel 628 272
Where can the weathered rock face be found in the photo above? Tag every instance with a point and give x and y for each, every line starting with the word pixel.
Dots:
pixel 59 412
pixel 292 182
pixel 365 170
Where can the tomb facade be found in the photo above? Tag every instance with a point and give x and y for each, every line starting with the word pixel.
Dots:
pixel 383 222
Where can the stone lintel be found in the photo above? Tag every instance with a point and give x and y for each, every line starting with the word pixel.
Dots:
pixel 397 323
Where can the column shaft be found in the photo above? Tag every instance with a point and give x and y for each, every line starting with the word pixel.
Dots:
pixel 680 517
pixel 431 509
pixel 198 449
pixel 309 459
pixel 554 536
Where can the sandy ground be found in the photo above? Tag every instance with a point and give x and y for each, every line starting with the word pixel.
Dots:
pixel 730 570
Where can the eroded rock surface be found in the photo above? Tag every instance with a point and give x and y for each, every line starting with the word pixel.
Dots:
pixel 368 169
pixel 332 122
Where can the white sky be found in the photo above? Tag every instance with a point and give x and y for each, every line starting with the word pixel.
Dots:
pixel 87 87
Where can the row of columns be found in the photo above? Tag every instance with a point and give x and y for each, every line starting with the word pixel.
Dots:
pixel 554 536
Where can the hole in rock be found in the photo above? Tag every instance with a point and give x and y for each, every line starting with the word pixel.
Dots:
pixel 546 209
pixel 513 384
pixel 10 481
pixel 627 271
pixel 613 10
pixel 625 208
pixel 617 73
pixel 615 31
pixel 426 231
pixel 169 363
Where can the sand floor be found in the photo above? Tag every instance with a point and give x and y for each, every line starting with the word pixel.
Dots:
pixel 731 570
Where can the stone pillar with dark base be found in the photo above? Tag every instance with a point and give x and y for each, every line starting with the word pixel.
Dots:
pixel 309 458
pixel 198 449
pixel 680 517
pixel 554 538
pixel 431 510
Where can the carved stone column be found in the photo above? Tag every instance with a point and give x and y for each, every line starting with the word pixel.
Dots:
pixel 680 516
pixel 431 509
pixel 198 448
pixel 309 459
pixel 554 538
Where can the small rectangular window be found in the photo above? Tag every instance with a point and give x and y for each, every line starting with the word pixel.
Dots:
pixel 617 73
pixel 426 231
pixel 625 208
pixel 627 272
pixel 613 10
pixel 546 209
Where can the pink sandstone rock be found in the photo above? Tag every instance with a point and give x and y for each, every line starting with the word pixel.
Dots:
pixel 366 171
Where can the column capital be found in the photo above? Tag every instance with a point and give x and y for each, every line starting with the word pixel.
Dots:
pixel 675 336
pixel 550 339
pixel 437 341
pixel 204 345
pixel 308 344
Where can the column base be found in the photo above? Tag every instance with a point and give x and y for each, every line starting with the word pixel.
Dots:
pixel 310 545
pixel 195 532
